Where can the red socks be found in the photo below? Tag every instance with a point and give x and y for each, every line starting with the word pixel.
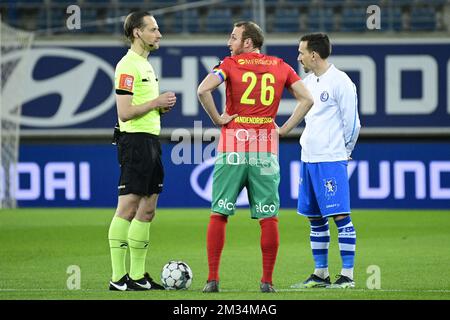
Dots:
pixel 270 241
pixel 215 240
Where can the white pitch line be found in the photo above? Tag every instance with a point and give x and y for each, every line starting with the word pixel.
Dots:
pixel 322 290
pixel 48 290
pixel 364 290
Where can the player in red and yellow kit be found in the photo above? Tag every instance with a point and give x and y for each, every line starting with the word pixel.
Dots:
pixel 248 143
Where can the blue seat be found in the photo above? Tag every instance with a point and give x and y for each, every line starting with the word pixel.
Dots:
pixel 403 2
pixel 162 23
pixel 186 21
pixel 245 15
pixel 272 2
pixel 354 20
pixel 41 19
pixel 299 2
pixel 320 19
pixel 423 19
pixel 63 2
pixel 333 3
pixel 286 20
pixel 89 16
pixel 241 2
pixel 97 1
pixel 165 3
pixel 219 21
pixel 367 3
pixel 11 16
pixel 56 19
pixel 435 2
pixel 391 19
pixel 20 2
pixel 117 26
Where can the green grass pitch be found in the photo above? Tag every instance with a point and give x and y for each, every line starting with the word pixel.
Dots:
pixel 411 249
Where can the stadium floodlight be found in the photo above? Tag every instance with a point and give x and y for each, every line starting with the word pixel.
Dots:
pixel 15 45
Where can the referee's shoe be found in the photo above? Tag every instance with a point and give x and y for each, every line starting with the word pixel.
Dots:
pixel 121 285
pixel 145 283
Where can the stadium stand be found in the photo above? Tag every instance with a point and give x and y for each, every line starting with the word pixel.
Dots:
pixel 423 19
pixel 321 19
pixel 245 14
pixel 185 21
pixel 218 20
pixel 286 20
pixel 353 19
pixel 391 20
pixel 282 16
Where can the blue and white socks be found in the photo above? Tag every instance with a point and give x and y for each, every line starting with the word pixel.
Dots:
pixel 320 241
pixel 347 244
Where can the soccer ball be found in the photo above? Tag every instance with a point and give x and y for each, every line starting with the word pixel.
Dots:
pixel 176 275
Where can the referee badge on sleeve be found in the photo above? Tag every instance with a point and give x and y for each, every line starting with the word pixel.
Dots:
pixel 126 82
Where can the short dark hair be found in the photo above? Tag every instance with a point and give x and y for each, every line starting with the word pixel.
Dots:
pixel 134 20
pixel 318 42
pixel 251 31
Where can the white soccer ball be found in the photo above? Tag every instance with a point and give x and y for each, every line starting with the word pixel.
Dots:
pixel 176 275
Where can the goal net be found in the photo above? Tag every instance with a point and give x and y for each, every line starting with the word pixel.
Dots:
pixel 15 46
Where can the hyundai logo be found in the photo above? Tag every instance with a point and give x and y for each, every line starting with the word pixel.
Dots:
pixel 72 86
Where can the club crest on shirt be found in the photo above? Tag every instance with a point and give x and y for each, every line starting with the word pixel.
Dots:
pixel 324 96
pixel 330 187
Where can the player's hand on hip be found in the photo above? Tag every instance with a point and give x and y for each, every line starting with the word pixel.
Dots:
pixel 278 130
pixel 166 101
pixel 225 118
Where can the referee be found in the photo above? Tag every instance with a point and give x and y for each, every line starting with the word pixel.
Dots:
pixel 139 106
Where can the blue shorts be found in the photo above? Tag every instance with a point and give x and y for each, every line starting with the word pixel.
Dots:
pixel 323 189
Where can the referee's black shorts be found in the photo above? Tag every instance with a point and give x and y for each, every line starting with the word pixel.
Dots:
pixel 141 168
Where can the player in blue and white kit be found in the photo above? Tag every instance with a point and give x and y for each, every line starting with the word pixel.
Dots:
pixel 332 128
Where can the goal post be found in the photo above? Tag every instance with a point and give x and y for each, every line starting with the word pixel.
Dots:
pixel 15 45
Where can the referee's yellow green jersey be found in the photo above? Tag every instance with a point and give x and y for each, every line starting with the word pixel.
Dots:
pixel 135 76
